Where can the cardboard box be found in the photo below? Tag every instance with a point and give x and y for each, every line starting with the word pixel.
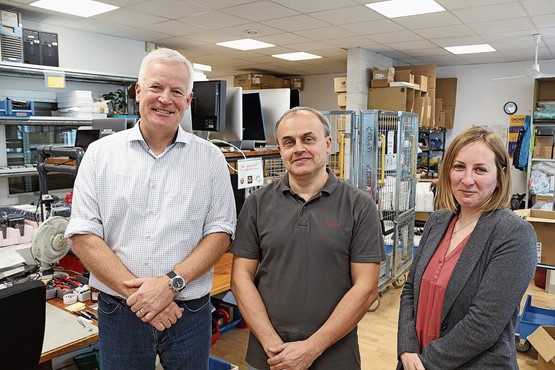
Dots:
pixel 342 99
pixel 544 225
pixel 439 106
pixel 428 70
pixel 545 152
pixel 446 89
pixel 440 120
pixel 404 76
pixel 449 116
pixel 544 140
pixel 254 79
pixel 383 74
pixel 391 98
pixel 422 81
pixel 296 83
pixel 543 340
pixel 379 83
pixel 340 84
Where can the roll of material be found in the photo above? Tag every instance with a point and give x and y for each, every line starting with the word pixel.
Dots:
pixel 70 298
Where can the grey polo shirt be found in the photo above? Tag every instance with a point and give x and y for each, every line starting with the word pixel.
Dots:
pixel 305 250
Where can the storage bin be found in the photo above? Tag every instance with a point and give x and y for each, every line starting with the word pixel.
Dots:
pixel 88 361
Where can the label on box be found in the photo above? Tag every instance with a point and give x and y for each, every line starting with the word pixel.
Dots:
pixel 539 249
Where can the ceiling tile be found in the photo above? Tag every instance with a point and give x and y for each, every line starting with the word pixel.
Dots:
pixel 296 23
pixel 170 9
pixel 260 11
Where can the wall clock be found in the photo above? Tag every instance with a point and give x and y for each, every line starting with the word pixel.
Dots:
pixel 510 107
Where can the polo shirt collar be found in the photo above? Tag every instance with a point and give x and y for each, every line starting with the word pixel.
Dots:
pixel 330 185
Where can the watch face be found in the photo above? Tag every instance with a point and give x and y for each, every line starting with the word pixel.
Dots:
pixel 510 107
pixel 177 283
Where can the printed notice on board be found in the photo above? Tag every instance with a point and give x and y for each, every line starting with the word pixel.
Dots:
pixel 249 173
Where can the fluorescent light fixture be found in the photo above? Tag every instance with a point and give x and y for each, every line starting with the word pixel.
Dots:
pixel 470 49
pixel 202 67
pixel 297 56
pixel 245 44
pixel 81 8
pixel 404 8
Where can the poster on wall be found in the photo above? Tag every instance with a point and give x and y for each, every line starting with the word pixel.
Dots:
pixel 516 122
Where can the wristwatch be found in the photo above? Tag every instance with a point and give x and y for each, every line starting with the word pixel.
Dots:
pixel 177 283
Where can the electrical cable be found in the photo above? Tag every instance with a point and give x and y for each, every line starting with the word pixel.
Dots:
pixel 233 146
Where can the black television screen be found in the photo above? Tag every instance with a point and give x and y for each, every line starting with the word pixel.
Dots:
pixel 253 121
pixel 208 105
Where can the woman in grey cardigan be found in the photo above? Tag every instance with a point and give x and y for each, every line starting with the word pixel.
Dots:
pixel 476 258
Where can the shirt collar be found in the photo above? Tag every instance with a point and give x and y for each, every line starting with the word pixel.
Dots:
pixel 136 135
pixel 330 185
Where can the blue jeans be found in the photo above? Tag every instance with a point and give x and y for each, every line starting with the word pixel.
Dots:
pixel 128 343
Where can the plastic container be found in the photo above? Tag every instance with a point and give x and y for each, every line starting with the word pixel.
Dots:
pixel 532 317
pixel 88 361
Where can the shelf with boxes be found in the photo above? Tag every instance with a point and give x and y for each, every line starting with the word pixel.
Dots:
pixel 541 163
pixel 405 88
pixel 252 81
pixel 28 123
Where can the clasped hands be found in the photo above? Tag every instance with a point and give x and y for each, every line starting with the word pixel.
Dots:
pixel 152 301
pixel 291 356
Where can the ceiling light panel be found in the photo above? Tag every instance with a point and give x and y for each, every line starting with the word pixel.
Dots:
pixel 81 8
pixel 470 49
pixel 245 44
pixel 404 8
pixel 297 56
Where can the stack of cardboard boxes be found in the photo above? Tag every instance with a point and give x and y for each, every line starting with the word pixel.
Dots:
pixel 340 87
pixel 405 88
pixel 253 81
pixel 446 94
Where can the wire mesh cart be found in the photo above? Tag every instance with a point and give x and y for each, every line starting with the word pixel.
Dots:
pixel 383 163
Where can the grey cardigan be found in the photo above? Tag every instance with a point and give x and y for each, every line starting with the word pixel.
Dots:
pixel 482 299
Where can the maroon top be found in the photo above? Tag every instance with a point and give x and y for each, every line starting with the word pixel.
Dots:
pixel 433 286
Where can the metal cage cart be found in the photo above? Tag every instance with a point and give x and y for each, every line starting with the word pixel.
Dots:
pixel 383 163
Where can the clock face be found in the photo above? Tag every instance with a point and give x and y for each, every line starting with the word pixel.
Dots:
pixel 510 107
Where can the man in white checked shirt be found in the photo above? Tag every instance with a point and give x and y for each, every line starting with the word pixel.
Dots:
pixel 153 210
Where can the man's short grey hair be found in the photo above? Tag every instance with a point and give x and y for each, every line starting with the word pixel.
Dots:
pixel 167 55
pixel 293 111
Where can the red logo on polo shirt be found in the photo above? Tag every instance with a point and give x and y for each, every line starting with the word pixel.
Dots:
pixel 332 224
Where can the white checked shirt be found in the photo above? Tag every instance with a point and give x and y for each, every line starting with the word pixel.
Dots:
pixel 153 211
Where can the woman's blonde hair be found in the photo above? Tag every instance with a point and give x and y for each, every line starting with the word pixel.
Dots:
pixel 501 196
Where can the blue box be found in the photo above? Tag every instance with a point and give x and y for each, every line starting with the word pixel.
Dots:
pixel 5 107
pixel 18 112
pixel 532 317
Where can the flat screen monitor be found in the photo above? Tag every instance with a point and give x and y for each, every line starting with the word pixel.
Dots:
pixel 233 132
pixel 254 132
pixel 112 124
pixel 85 136
pixel 208 106
pixel 274 102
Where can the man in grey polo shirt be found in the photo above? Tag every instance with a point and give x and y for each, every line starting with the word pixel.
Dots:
pixel 307 255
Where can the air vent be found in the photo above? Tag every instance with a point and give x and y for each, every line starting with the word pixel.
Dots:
pixel 11 48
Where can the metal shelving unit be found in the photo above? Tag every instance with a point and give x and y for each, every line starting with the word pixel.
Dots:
pixel 23 135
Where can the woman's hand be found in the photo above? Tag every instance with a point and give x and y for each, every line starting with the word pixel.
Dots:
pixel 411 361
